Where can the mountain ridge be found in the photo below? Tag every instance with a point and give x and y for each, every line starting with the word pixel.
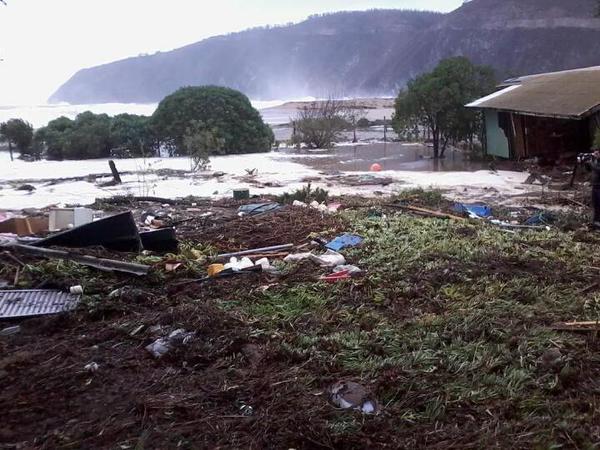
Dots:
pixel 366 53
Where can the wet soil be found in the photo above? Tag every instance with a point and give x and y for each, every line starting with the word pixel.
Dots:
pixel 235 385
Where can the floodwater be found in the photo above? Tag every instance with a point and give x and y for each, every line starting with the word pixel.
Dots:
pixel 371 134
pixel 391 156
pixel 404 166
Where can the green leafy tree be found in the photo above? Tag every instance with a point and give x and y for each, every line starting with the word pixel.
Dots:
pixel 95 136
pixel 54 138
pixel 436 101
pixel 131 133
pixel 226 113
pixel 200 142
pixel 17 132
pixel 89 137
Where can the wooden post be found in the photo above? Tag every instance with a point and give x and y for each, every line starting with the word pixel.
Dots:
pixel 115 172
pixel 10 150
pixel 384 129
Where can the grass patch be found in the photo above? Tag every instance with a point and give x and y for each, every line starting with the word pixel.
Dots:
pixel 433 198
pixel 457 313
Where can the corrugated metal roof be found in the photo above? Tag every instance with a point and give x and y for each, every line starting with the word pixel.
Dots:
pixel 568 94
pixel 25 303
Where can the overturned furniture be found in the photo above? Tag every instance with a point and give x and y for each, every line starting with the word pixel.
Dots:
pixel 118 232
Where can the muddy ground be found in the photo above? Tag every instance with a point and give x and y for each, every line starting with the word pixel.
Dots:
pixel 450 329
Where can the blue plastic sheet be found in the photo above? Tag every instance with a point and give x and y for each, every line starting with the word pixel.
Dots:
pixel 344 241
pixel 473 210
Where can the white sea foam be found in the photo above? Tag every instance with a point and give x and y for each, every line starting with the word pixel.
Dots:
pixel 40 115
pixel 274 168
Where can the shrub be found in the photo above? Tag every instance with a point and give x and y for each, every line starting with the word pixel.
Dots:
pixel 226 113
pixel 199 143
pixel 363 123
pixel 306 195
pixel 320 124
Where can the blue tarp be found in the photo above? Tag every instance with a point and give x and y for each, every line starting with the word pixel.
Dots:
pixel 344 241
pixel 473 210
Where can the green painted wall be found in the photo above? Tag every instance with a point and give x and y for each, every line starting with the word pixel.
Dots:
pixel 497 143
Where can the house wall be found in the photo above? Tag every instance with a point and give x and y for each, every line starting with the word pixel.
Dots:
pixel 554 139
pixel 497 142
pixel 519 136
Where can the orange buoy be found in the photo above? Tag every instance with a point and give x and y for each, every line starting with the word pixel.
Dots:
pixel 376 168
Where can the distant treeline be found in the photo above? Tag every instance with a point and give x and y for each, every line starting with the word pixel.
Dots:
pixel 225 114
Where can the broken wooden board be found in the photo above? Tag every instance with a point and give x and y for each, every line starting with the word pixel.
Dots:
pixel 24 226
pixel 581 327
pixel 429 212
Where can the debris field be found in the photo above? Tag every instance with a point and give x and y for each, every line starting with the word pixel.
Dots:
pixel 454 335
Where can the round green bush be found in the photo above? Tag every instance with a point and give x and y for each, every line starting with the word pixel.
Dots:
pixel 223 111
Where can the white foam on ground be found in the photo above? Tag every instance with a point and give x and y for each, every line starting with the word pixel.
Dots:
pixel 272 167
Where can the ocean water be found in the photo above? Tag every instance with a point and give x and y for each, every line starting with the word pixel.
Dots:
pixel 40 115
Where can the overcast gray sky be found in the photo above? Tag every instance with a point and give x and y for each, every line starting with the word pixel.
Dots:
pixel 44 42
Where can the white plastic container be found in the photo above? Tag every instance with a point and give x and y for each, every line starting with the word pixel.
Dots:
pixel 65 218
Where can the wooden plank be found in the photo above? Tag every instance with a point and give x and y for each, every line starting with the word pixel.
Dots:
pixel 429 212
pixel 577 326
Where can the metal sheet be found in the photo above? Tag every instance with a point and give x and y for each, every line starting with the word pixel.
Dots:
pixel 6 241
pixel 571 94
pixel 26 303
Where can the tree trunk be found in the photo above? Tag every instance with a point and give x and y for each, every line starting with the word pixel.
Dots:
pixel 436 144
pixel 444 145
pixel 10 150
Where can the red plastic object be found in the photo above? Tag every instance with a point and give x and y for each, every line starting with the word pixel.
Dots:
pixel 335 277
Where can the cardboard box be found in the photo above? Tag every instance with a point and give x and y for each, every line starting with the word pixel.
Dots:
pixel 24 226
